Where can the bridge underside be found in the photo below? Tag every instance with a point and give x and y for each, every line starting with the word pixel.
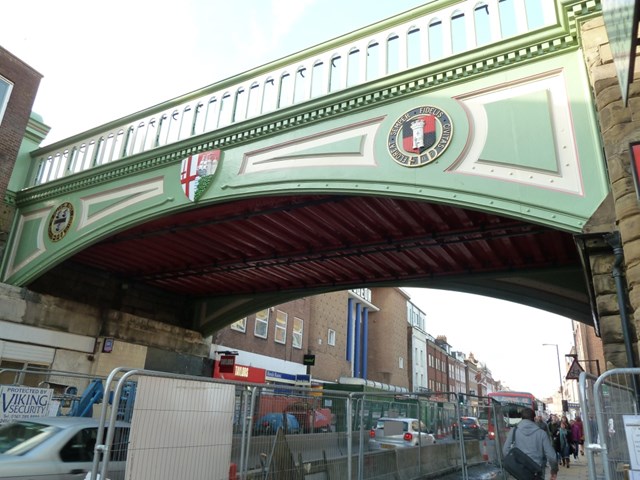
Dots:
pixel 238 257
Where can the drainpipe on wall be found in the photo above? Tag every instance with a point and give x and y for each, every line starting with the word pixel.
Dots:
pixel 365 342
pixel 349 327
pixel 357 349
pixel 613 239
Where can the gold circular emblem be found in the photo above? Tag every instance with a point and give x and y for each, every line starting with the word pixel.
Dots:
pixel 420 136
pixel 60 221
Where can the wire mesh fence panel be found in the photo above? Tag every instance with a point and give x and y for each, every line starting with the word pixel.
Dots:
pixel 413 436
pixel 615 404
pixel 479 421
pixel 292 431
pixel 592 447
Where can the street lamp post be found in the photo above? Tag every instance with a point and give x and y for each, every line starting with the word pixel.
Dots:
pixel 559 371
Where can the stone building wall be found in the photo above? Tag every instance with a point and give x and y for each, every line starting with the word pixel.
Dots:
pixel 132 335
pixel 619 126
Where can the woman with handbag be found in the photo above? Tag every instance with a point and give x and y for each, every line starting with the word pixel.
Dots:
pixel 534 442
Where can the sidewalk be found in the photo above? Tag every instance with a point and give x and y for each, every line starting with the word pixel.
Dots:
pixel 578 469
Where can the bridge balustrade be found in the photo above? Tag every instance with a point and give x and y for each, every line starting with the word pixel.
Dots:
pixel 415 38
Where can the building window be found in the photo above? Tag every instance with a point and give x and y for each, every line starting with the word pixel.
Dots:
pixel 331 337
pixel 298 325
pixel 364 293
pixel 281 327
pixel 262 324
pixel 240 325
pixel 401 362
pixel 10 373
pixel 5 92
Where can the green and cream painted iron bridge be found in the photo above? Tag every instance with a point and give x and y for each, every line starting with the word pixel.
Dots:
pixel 503 84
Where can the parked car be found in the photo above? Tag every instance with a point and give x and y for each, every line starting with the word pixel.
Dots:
pixel 471 428
pixel 57 447
pixel 269 424
pixel 400 432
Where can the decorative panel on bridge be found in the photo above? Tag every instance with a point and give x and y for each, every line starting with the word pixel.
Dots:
pixel 507 128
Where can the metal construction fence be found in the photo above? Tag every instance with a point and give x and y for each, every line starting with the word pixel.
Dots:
pixel 158 425
pixel 609 405
pixel 286 432
pixel 164 426
pixel 214 429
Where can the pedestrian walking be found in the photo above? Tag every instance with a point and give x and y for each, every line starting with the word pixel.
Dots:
pixel 577 436
pixel 564 434
pixel 533 441
pixel 554 430
pixel 542 424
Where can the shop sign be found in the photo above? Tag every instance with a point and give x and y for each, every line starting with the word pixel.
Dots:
pixel 227 363
pixel 240 373
pixel 17 402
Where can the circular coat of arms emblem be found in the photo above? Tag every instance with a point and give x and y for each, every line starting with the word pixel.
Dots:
pixel 420 136
pixel 60 221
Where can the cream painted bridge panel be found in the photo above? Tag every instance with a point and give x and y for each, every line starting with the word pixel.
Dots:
pixel 519 142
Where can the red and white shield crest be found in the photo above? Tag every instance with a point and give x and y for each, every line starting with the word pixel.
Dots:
pixel 194 168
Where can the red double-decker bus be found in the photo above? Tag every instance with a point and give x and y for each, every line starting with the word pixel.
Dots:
pixel 508 407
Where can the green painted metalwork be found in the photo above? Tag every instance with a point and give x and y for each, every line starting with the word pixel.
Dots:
pixel 525 144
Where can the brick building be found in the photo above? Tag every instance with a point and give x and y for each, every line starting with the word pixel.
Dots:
pixel 357 334
pixel 373 336
pixel 18 88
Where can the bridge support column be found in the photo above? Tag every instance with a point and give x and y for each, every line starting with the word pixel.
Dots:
pixel 619 126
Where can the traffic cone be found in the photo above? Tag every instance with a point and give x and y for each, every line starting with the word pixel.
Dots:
pixel 485 452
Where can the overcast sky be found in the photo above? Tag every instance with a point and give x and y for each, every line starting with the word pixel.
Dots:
pixel 505 336
pixel 104 60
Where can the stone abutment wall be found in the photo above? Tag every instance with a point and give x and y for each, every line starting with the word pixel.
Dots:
pixel 619 126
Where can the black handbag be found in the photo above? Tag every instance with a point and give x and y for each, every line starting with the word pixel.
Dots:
pixel 519 464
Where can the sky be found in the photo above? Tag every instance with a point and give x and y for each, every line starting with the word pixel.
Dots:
pixel 102 60
pixel 506 336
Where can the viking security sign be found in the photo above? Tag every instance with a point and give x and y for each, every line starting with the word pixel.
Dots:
pixel 17 402
pixel 420 136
